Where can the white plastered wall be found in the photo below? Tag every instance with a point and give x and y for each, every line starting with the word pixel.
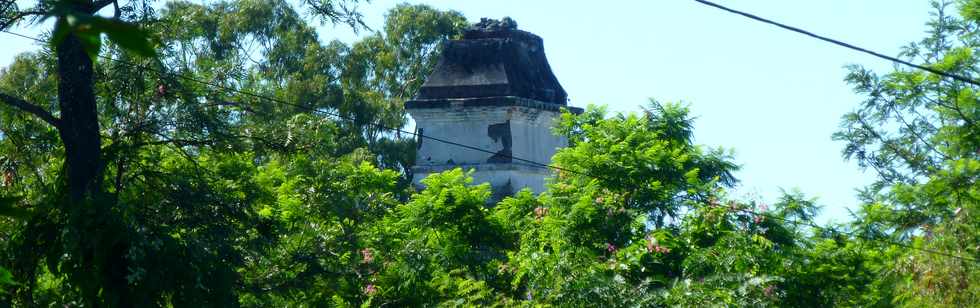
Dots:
pixel 531 138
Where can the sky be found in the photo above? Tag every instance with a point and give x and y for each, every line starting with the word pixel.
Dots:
pixel 772 96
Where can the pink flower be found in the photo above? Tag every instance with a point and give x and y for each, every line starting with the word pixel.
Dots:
pixel 757 219
pixel 768 291
pixel 653 246
pixel 540 212
pixel 610 247
pixel 366 255
pixel 370 289
pixel 658 249
pixel 161 90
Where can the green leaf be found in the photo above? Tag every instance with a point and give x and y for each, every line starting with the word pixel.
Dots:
pixel 91 42
pixel 8 208
pixel 127 35
pixel 61 31
pixel 89 29
pixel 6 279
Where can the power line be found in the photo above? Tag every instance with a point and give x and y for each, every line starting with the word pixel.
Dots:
pixel 840 43
pixel 535 163
pixel 379 125
pixel 867 51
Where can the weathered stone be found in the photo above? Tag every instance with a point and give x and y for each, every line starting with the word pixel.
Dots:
pixel 492 90
pixel 493 59
pixel 489 24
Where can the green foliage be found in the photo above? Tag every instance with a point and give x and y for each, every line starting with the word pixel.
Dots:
pixel 211 197
pixel 442 245
pixel 254 199
pixel 620 239
pixel 6 279
pixel 919 132
pixel 9 208
pixel 89 28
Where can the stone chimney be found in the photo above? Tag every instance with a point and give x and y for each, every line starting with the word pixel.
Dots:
pixel 493 90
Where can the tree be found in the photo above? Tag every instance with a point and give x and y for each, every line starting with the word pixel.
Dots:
pixel 636 216
pixel 76 40
pixel 246 163
pixel 920 133
pixel 167 165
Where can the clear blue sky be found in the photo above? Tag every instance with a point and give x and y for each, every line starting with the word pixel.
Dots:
pixel 772 96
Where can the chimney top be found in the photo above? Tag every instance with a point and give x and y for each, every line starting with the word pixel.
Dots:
pixel 493 59
pixel 489 24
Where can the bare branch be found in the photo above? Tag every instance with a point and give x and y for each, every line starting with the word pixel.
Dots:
pixel 30 108
pixel 98 5
pixel 17 17
pixel 243 106
pixel 915 132
pixel 115 9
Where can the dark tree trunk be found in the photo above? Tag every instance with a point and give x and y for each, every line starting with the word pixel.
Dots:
pixel 80 119
pixel 79 131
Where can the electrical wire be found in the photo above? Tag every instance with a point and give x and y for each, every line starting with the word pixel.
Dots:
pixel 840 43
pixel 449 142
pixel 379 125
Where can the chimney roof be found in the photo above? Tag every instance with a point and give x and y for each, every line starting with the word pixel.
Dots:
pixel 493 59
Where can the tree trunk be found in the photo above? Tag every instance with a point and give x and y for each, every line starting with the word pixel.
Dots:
pixel 80 120
pixel 79 131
